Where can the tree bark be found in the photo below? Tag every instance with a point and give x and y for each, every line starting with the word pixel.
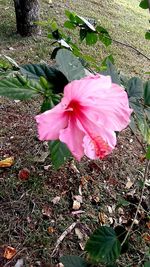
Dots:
pixel 27 13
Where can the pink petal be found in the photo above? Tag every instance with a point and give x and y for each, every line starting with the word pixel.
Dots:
pixel 99 141
pixel 72 136
pixel 86 89
pixel 51 122
pixel 97 148
pixel 111 109
pixel 114 108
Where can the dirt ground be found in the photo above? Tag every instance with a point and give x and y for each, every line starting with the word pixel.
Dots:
pixel 36 201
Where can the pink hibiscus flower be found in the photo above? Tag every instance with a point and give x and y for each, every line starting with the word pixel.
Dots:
pixel 87 117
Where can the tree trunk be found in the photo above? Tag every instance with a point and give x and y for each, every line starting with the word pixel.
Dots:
pixel 27 13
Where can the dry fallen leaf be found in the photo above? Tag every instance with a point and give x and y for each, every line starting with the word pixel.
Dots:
pixel 78 233
pixel 8 162
pixel 120 211
pixel 50 230
pixel 142 158
pixel 146 237
pixel 102 218
pixel 47 211
pixel 76 205
pixel 9 253
pixel 55 200
pixel 84 180
pixel 24 174
pixel 129 184
pixel 78 198
pixel 148 224
pixel 96 199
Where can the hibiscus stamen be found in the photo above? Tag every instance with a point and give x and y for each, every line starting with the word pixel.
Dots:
pixel 101 147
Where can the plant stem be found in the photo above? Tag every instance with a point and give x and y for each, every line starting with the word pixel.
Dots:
pixel 138 207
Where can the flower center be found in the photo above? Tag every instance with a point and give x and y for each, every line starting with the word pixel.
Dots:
pixel 101 147
pixel 74 107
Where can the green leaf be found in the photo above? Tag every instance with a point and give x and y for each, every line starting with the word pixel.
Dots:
pixel 122 202
pixel 59 153
pixel 135 88
pixel 147 264
pixel 147 111
pixel 137 107
pixel 104 62
pixel 104 36
pixel 68 24
pixel 47 104
pixel 147 35
pixel 91 38
pixel 144 4
pixel 103 245
pixel 148 153
pixel 147 93
pixel 70 15
pixel 83 33
pixel 56 79
pixel 111 71
pixel 18 88
pixel 144 129
pixel 73 261
pixel 69 65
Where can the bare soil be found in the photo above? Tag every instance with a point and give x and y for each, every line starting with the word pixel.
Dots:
pixel 31 220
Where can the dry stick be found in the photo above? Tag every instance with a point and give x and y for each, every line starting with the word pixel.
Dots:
pixel 138 207
pixel 132 47
pixel 63 235
pixel 129 46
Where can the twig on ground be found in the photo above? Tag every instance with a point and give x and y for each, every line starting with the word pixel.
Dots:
pixel 132 47
pixel 138 207
pixel 63 235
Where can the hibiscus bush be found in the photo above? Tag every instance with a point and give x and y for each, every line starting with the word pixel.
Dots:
pixel 82 112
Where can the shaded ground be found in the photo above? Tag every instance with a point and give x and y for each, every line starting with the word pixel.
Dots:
pixel 29 220
pixel 23 224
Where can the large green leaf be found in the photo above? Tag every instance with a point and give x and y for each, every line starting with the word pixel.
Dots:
pixel 137 107
pixel 104 36
pixel 56 78
pixel 18 88
pixel 59 153
pixel 147 93
pixel 144 4
pixel 147 111
pixel 103 245
pixel 111 70
pixel 147 264
pixel 73 261
pixel 69 65
pixel 144 129
pixel 70 25
pixel 135 87
pixel 91 38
